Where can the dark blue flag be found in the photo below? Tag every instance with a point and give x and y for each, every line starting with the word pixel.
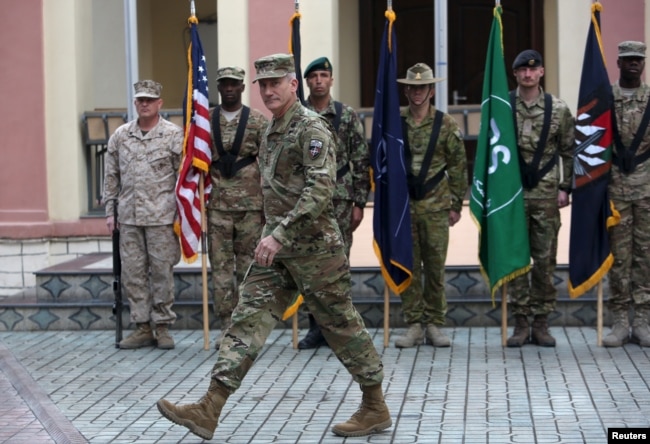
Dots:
pixel 392 220
pixel 592 213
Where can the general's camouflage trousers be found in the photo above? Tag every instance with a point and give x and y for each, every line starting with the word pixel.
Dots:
pixel 629 277
pixel 266 293
pixel 343 215
pixel 534 293
pixel 148 257
pixel 232 238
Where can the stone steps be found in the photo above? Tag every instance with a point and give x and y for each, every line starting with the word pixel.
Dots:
pixel 78 295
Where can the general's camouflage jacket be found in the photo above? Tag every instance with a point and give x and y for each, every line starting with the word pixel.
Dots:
pixel 298 166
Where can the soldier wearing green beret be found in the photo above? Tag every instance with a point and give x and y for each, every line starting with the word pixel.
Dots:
pixel 352 165
pixel 301 250
pixel 545 137
pixel 235 215
pixel 629 190
pixel 437 180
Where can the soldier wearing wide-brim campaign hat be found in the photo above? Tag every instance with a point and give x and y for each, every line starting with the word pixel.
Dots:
pixel 420 74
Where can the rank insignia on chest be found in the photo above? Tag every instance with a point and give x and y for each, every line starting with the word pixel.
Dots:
pixel 315 148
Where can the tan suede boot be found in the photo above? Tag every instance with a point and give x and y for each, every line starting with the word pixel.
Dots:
pixel 539 332
pixel 141 337
pixel 413 336
pixel 372 416
pixel 164 339
pixel 201 418
pixel 521 334
pixel 225 323
pixel 435 337
pixel 620 333
pixel 640 328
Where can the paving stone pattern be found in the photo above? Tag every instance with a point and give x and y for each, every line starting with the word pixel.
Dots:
pixel 74 386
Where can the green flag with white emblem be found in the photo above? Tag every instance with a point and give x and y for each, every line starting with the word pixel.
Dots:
pixel 496 200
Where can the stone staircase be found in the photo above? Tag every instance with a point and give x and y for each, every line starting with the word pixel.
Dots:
pixel 78 295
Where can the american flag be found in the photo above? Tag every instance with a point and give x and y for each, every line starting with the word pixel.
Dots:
pixel 197 154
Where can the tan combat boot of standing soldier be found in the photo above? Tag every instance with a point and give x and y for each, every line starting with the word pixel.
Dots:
pixel 164 339
pixel 435 337
pixel 202 417
pixel 141 337
pixel 413 336
pixel 372 416
pixel 521 335
pixel 620 333
pixel 640 327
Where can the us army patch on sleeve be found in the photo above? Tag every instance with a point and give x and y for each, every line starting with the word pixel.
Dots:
pixel 315 148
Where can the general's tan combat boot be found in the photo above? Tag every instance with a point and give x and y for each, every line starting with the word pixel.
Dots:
pixel 225 323
pixel 435 337
pixel 141 337
pixel 640 328
pixel 620 333
pixel 372 416
pixel 164 339
pixel 521 334
pixel 201 418
pixel 413 336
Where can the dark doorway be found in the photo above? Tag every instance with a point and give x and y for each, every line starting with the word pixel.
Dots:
pixel 469 23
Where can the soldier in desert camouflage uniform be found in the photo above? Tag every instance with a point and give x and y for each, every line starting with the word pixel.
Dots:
pixel 301 250
pixel 140 174
pixel 629 189
pixel 436 190
pixel 235 209
pixel 352 165
pixel 547 184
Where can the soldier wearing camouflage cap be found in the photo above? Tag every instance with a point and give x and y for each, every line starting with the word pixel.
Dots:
pixel 545 133
pixel 235 215
pixel 352 165
pixel 629 190
pixel 437 180
pixel 140 171
pixel 301 250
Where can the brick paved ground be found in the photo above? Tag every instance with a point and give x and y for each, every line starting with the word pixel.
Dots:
pixel 76 387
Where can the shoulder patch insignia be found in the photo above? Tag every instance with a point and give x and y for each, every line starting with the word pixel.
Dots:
pixel 315 148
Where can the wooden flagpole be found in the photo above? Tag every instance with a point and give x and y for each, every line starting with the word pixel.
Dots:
pixel 599 314
pixel 204 266
pixel 504 314
pixel 294 328
pixel 386 314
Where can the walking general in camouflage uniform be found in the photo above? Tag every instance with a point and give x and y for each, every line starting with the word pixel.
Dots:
pixel 301 250
pixel 352 165
pixel 235 215
pixel 534 293
pixel 629 189
pixel 141 168
pixel 436 201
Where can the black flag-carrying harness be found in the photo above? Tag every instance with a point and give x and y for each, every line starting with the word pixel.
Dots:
pixel 418 188
pixel 530 175
pixel 625 157
pixel 227 163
